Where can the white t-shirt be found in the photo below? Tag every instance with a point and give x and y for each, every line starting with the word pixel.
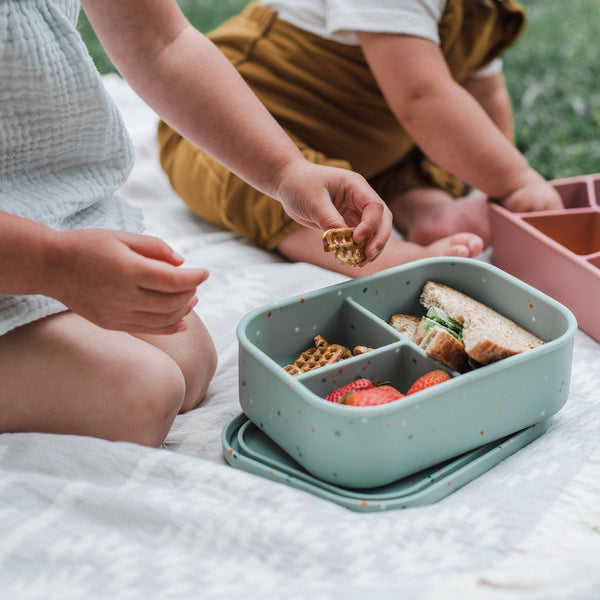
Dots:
pixel 339 20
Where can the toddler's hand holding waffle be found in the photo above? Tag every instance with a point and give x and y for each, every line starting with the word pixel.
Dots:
pixel 346 250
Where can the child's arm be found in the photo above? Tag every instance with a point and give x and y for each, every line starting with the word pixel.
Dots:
pixel 118 280
pixel 194 88
pixel 492 95
pixel 449 125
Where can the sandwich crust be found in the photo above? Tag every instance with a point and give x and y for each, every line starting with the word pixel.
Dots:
pixel 445 348
pixel 405 324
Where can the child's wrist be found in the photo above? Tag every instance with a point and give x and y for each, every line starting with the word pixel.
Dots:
pixel 52 261
pixel 287 174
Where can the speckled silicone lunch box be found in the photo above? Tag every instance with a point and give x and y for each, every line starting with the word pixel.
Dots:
pixel 558 252
pixel 365 447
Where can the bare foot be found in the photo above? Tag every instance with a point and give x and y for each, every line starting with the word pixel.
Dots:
pixel 463 214
pixel 398 252
pixel 304 245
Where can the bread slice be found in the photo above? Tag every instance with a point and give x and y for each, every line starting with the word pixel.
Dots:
pixel 437 342
pixel 488 335
pixel 445 348
pixel 405 324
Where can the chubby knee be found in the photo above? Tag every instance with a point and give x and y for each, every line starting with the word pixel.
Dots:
pixel 152 395
pixel 198 369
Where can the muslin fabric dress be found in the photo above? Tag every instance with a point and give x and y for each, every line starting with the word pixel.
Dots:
pixel 64 150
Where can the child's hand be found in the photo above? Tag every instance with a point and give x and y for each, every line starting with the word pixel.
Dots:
pixel 121 280
pixel 321 197
pixel 535 195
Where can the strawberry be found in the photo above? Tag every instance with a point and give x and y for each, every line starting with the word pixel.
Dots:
pixel 338 395
pixel 373 396
pixel 427 380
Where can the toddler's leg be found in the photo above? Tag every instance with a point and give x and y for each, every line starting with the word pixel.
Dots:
pixel 65 375
pixel 195 355
pixel 305 245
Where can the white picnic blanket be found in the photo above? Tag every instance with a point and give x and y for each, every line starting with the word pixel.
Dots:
pixel 83 518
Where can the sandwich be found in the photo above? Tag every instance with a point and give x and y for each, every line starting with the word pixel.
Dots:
pixel 461 332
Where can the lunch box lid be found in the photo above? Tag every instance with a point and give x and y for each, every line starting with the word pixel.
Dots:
pixel 247 447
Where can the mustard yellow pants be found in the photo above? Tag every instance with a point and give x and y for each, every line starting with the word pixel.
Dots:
pixel 325 97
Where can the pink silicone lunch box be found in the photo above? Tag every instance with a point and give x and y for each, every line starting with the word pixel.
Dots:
pixel 557 252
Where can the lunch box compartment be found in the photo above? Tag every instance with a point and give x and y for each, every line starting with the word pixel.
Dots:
pixel 595 262
pixel 578 232
pixel 574 193
pixel 289 329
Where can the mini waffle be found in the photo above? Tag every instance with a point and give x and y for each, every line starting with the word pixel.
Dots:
pixel 346 250
pixel 319 355
pixel 358 350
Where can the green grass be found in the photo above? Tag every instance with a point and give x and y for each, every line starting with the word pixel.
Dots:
pixel 205 15
pixel 552 72
pixel 553 75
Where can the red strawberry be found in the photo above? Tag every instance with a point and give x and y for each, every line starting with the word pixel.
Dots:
pixel 427 380
pixel 338 395
pixel 373 396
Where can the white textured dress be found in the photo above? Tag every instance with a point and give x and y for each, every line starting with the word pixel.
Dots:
pixel 63 146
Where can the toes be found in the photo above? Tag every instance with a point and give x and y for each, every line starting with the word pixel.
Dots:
pixel 475 245
pixel 459 250
pixel 466 245
pixel 472 244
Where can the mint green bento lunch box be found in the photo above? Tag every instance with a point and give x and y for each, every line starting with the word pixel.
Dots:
pixel 366 447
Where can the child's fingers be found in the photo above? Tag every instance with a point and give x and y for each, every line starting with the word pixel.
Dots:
pixel 323 214
pixel 376 220
pixel 160 323
pixel 164 303
pixel 151 247
pixel 375 229
pixel 352 216
pixel 162 273
pixel 165 278
pixel 161 320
